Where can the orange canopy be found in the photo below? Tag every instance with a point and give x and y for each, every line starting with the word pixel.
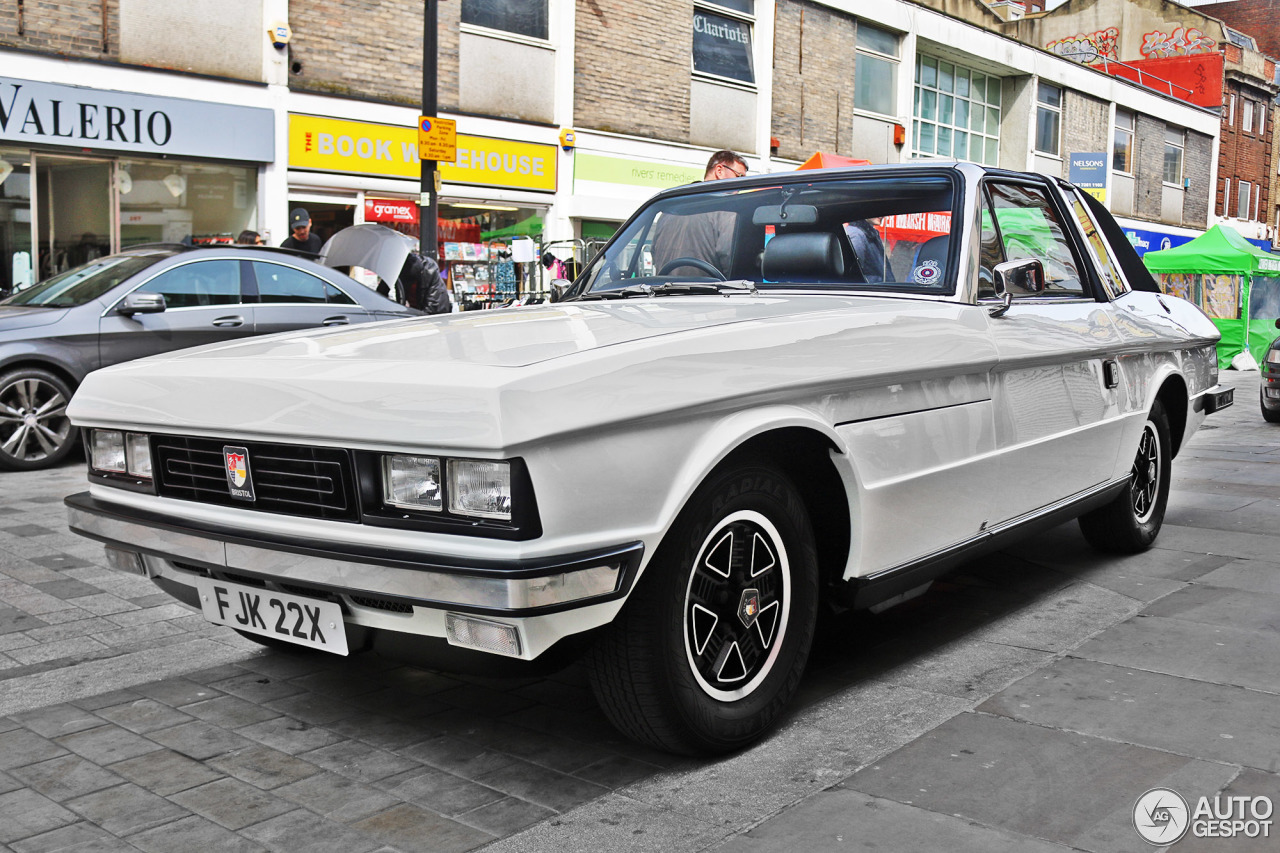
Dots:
pixel 824 160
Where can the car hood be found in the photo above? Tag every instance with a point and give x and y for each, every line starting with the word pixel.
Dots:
pixel 499 379
pixel 14 317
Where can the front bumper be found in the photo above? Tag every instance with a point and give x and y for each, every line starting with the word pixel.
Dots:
pixel 383 588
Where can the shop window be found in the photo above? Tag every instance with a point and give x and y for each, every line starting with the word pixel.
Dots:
pixel 520 17
pixel 875 70
pixel 167 201
pixel 1048 118
pixel 1122 145
pixel 1246 116
pixel 1173 144
pixel 198 284
pixel 722 43
pixel 280 284
pixel 957 112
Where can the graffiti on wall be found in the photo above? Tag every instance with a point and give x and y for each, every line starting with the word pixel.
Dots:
pixel 1087 48
pixel 1183 41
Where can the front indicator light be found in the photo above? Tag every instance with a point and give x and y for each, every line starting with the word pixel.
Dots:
pixel 479 488
pixel 107 451
pixel 137 452
pixel 412 482
pixel 482 634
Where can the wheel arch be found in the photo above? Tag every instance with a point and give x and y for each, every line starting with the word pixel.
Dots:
pixel 39 362
pixel 808 450
pixel 1173 395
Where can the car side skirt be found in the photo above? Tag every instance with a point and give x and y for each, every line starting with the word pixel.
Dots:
pixel 870 590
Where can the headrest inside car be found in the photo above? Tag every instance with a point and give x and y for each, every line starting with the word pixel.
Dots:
pixel 811 256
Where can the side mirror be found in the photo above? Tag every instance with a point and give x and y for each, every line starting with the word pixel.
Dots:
pixel 142 303
pixel 559 287
pixel 1019 278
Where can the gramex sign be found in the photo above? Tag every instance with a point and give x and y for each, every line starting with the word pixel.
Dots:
pixel 1161 816
pixel 32 112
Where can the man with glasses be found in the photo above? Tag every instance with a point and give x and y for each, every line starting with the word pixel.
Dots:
pixel 701 236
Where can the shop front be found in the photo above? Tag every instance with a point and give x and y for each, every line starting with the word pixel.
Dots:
pixel 492 207
pixel 87 172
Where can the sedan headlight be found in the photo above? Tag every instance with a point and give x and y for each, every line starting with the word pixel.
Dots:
pixel 107 453
pixel 1273 356
pixel 115 452
pixel 480 488
pixel 412 482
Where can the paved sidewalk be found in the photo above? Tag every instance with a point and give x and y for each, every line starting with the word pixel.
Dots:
pixel 1023 704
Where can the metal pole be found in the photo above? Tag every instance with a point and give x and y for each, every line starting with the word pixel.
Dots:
pixel 427 242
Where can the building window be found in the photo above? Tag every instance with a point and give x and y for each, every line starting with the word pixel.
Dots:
pixel 521 17
pixel 1262 118
pixel 1173 144
pixel 1048 118
pixel 1226 196
pixel 1246 116
pixel 957 112
pixel 1122 145
pixel 1231 111
pixel 1242 201
pixel 722 44
pixel 875 70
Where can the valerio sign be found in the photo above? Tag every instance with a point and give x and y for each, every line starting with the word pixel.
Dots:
pixel 50 114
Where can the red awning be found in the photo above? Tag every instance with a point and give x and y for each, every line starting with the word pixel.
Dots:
pixel 825 160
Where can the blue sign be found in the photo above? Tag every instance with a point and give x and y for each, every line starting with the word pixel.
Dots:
pixel 1088 171
pixel 1153 241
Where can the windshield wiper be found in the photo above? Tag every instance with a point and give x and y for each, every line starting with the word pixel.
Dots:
pixel 705 287
pixel 621 293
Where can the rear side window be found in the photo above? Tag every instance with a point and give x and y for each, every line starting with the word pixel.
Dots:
pixel 198 284
pixel 278 284
pixel 1112 280
pixel 1028 226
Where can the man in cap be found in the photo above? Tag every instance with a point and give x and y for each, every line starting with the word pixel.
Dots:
pixel 301 237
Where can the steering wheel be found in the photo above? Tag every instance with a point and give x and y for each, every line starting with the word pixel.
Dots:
pixel 676 263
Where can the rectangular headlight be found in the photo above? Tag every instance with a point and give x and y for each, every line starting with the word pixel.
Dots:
pixel 412 482
pixel 480 488
pixel 137 451
pixel 107 451
pixel 1273 356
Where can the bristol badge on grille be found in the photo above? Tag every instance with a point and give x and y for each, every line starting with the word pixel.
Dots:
pixel 239 480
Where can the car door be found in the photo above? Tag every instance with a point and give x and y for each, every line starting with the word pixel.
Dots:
pixel 1058 424
pixel 291 298
pixel 203 304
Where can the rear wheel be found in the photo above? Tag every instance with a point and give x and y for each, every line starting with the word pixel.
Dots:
pixel 35 431
pixel 1130 523
pixel 711 646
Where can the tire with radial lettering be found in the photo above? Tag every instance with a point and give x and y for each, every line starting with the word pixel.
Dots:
pixel 711 645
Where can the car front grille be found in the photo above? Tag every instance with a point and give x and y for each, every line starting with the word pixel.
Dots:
pixel 312 482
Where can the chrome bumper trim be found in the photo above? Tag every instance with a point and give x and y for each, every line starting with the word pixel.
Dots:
pixel 524 589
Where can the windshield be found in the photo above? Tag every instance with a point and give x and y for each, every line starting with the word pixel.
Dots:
pixel 84 283
pixel 881 232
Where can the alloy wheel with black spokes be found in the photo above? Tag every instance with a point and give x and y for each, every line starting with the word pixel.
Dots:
pixel 1131 522
pixel 711 644
pixel 736 607
pixel 35 431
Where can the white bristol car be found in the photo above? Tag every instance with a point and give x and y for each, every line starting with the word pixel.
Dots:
pixel 766 396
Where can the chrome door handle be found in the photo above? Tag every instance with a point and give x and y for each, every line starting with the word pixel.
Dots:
pixel 340 320
pixel 229 322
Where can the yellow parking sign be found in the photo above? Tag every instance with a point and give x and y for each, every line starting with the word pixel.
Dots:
pixel 437 138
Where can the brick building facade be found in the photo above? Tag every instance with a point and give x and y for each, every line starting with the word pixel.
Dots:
pixel 812 86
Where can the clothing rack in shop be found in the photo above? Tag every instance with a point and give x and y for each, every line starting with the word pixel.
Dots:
pixel 568 267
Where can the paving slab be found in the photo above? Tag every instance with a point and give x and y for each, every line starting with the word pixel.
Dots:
pixel 1233 725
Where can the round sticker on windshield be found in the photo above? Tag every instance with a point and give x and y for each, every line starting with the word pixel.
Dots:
pixel 928 272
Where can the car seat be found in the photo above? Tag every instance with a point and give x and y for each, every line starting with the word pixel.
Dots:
pixel 930 262
pixel 809 257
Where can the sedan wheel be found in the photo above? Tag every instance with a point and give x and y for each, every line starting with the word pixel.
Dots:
pixel 34 429
pixel 1130 523
pixel 710 646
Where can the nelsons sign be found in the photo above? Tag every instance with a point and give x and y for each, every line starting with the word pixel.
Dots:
pixel 50 114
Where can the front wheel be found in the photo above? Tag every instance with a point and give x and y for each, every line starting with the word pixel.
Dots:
pixel 1271 416
pixel 710 648
pixel 1130 523
pixel 35 431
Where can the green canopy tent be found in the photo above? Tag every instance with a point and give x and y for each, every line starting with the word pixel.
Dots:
pixel 1233 281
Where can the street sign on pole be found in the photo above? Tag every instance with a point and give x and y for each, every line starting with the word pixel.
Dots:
pixel 437 139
